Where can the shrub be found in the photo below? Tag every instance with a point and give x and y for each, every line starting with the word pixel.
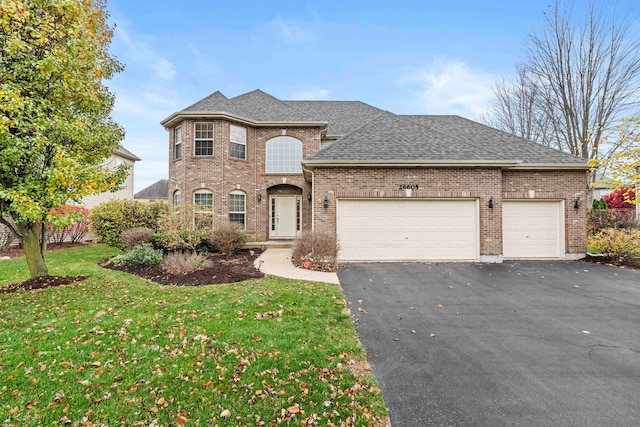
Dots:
pixel 68 223
pixel 316 248
pixel 144 254
pixel 600 219
pixel 599 204
pixel 171 241
pixel 136 236
pixel 621 198
pixel 617 243
pixel 179 262
pixel 227 239
pixel 108 220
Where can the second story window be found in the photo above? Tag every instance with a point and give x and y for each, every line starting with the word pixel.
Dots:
pixel 238 147
pixel 203 139
pixel 177 143
pixel 284 155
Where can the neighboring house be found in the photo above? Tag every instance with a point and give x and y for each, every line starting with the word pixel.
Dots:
pixel 391 187
pixel 120 156
pixel 158 191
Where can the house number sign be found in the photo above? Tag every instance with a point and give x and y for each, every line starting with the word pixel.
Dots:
pixel 408 187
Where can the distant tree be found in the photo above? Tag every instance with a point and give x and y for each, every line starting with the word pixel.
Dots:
pixel 623 166
pixel 55 129
pixel 579 79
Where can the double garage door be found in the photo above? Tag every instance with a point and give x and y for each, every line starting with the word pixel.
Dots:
pixel 400 229
pixel 446 230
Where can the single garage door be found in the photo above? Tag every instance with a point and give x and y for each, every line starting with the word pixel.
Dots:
pixel 399 230
pixel 532 229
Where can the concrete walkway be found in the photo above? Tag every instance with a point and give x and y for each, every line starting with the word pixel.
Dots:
pixel 277 262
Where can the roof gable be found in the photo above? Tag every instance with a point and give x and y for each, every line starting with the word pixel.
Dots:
pixel 218 103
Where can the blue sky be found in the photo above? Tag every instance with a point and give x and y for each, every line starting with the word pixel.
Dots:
pixel 408 57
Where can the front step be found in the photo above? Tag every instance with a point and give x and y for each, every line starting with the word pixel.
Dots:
pixel 270 244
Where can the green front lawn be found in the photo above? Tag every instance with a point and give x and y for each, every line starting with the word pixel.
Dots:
pixel 118 350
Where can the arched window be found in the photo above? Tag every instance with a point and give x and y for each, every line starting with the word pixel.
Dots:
pixel 284 155
pixel 177 198
pixel 237 207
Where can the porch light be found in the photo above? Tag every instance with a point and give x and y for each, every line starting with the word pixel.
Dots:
pixel 491 203
pixel 325 202
pixel 309 197
pixel 576 204
pixel 259 197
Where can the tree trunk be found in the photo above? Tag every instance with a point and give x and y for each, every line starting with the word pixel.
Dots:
pixel 33 249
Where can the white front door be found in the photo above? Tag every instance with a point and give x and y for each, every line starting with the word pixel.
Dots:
pixel 284 217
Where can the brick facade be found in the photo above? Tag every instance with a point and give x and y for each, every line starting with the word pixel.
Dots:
pixel 457 183
pixel 222 174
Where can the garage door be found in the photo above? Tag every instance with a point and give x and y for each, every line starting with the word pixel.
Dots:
pixel 532 229
pixel 398 230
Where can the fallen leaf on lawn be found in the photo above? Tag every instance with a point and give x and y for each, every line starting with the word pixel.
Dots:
pixel 225 414
pixel 161 401
pixel 293 409
pixel 181 421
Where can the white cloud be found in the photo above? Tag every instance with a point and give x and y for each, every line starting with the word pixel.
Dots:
pixel 448 87
pixel 311 94
pixel 140 54
pixel 296 32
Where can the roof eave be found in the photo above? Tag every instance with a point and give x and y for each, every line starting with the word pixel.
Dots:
pixel 553 166
pixel 181 115
pixel 411 163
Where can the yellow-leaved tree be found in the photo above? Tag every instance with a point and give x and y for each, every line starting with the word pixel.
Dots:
pixel 55 125
pixel 623 166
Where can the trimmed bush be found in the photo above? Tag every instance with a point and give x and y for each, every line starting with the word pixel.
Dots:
pixel 599 204
pixel 136 236
pixel 227 239
pixel 615 242
pixel 108 220
pixel 144 254
pixel 621 198
pixel 316 248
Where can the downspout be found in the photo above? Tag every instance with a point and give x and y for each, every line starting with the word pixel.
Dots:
pixel 313 202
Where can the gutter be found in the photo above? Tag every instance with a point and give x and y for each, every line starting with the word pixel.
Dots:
pixel 175 117
pixel 506 164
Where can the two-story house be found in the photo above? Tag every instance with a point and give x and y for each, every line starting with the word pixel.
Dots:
pixel 391 187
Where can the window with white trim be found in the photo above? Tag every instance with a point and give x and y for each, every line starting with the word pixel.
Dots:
pixel 177 143
pixel 203 201
pixel 203 139
pixel 238 144
pixel 177 195
pixel 237 207
pixel 284 155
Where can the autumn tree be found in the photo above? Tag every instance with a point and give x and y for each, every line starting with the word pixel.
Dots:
pixel 55 125
pixel 580 77
pixel 623 166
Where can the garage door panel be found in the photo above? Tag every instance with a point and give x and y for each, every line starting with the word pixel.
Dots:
pixel 391 230
pixel 533 229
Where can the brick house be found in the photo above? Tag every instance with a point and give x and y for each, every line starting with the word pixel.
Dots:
pixel 392 187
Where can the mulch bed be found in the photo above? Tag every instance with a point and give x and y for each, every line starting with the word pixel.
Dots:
pixel 224 269
pixel 41 283
pixel 631 263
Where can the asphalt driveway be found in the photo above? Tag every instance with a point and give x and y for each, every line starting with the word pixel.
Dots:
pixel 517 344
